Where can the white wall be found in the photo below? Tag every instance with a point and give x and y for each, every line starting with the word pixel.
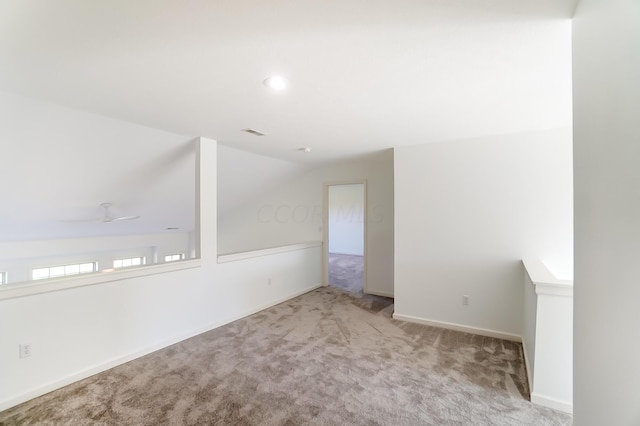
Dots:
pixel 244 176
pixel 606 39
pixel 79 331
pixel 467 212
pixel 346 219
pixel 263 281
pixel 291 213
pixel 19 258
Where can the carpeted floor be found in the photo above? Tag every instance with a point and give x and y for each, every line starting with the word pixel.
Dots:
pixel 325 358
pixel 346 272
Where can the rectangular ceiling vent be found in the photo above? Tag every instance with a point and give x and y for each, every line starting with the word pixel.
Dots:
pixel 253 132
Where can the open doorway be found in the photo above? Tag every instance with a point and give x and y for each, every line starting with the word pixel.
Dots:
pixel 345 225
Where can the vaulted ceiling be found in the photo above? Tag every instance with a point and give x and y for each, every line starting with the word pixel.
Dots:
pixel 364 75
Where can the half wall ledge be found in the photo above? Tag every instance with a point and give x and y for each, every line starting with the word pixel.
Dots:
pixel 544 281
pixel 548 336
pixel 233 257
pixel 11 291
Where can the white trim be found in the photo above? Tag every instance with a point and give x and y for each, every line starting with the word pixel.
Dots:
pixel 30 288
pixel 459 327
pixel 234 257
pixel 114 362
pixel 556 404
pixel 553 289
pixel 544 280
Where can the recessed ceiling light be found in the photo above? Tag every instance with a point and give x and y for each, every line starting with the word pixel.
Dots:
pixel 305 149
pixel 276 82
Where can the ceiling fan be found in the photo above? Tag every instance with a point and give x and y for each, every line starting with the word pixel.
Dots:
pixel 107 216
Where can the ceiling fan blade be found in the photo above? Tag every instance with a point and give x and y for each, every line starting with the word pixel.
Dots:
pixel 114 219
pixel 105 219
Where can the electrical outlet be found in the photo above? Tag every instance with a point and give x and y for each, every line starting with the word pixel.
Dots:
pixel 465 299
pixel 25 350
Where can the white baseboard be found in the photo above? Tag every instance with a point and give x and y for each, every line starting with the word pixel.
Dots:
pixel 114 362
pixel 459 327
pixel 556 404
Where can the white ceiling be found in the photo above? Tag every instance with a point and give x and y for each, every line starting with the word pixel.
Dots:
pixel 365 74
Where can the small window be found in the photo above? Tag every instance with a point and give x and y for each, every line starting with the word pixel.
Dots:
pixel 40 273
pixel 87 267
pixel 173 257
pixel 3 277
pixel 126 263
pixel 64 270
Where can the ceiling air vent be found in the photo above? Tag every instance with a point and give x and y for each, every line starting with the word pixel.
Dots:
pixel 253 132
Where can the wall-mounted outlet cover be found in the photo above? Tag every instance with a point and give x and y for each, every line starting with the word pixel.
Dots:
pixel 25 350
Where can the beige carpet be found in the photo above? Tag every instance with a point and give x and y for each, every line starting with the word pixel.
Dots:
pixel 325 358
pixel 346 272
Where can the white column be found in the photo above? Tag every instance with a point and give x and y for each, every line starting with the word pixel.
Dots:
pixel 206 207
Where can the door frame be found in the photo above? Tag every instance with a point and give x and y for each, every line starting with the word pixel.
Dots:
pixel 325 228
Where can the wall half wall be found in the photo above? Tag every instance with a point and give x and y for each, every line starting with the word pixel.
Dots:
pixel 79 331
pixel 290 211
pixel 466 212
